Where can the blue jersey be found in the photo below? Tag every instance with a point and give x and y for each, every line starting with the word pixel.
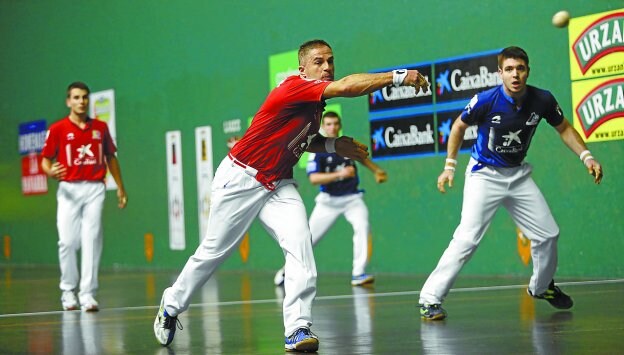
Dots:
pixel 505 131
pixel 328 163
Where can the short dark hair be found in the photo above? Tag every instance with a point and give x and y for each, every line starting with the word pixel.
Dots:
pixel 332 114
pixel 512 52
pixel 77 85
pixel 309 45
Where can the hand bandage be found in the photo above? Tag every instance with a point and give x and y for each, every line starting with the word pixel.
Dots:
pixel 398 76
pixel 585 156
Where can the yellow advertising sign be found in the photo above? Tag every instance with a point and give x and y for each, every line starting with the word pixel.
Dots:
pixel 597 45
pixel 598 108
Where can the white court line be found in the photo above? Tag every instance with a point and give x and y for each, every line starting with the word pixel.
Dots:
pixel 322 298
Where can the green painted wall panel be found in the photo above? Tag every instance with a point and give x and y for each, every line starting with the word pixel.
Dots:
pixel 182 64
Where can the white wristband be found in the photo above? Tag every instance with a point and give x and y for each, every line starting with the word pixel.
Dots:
pixel 583 154
pixel 398 76
pixel 453 161
pixel 330 145
pixel 587 158
pixel 451 168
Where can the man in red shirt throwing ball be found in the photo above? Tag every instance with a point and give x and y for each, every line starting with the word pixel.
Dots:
pixel 83 149
pixel 256 180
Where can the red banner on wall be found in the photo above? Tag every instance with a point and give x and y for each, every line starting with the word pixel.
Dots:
pixel 34 180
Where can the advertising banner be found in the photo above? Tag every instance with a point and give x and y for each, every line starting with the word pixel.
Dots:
pixel 599 108
pixel 205 171
pixel 31 139
pixel 175 191
pixel 597 54
pixel 597 45
pixel 102 107
pixel 406 123
pixel 403 137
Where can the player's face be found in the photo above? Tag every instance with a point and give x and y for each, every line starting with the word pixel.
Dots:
pixel 78 101
pixel 318 64
pixel 514 73
pixel 331 126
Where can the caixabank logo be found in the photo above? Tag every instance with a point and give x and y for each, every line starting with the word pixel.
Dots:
pixel 598 110
pixel 462 78
pixel 392 97
pixel 599 39
pixel 405 136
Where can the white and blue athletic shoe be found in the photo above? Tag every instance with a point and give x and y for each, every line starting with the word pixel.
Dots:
pixel 302 340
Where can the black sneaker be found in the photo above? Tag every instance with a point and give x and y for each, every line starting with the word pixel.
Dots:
pixel 555 297
pixel 432 311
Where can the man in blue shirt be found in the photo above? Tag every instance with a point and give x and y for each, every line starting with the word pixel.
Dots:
pixel 507 117
pixel 339 195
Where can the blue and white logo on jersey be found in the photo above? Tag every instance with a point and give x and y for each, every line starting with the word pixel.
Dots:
pixel 512 137
pixel 472 104
pixel 533 119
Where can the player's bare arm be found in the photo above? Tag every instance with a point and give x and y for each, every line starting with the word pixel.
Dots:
pixel 380 175
pixel 115 170
pixel 344 146
pixel 329 177
pixel 361 84
pixel 573 140
pixel 454 143
pixel 53 170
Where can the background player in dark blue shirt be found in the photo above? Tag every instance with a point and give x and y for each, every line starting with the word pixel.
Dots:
pixel 507 117
pixel 340 195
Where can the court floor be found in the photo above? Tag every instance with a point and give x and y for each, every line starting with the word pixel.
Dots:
pixel 240 313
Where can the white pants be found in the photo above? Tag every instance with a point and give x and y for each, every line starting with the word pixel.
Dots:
pixel 79 223
pixel 237 198
pixel 328 208
pixel 484 191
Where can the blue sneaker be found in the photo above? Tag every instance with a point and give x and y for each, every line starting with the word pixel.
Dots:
pixel 302 340
pixel 432 311
pixel 362 280
pixel 165 325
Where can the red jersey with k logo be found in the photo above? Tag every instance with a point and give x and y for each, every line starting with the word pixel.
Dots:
pixel 282 128
pixel 82 151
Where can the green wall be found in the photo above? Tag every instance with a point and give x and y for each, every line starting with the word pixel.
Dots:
pixel 182 64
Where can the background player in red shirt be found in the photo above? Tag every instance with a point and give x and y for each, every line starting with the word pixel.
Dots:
pixel 255 180
pixel 83 149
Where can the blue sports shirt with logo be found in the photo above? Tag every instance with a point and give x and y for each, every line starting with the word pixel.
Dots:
pixel 328 163
pixel 504 131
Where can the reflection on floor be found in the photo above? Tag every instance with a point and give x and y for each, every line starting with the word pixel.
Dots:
pixel 240 313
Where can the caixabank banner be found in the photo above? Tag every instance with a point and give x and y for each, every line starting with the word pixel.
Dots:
pixel 406 123
pixel 597 54
pixel 405 136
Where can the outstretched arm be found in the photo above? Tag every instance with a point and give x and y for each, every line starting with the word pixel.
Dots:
pixel 365 83
pixel 573 140
pixel 454 143
pixel 380 174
